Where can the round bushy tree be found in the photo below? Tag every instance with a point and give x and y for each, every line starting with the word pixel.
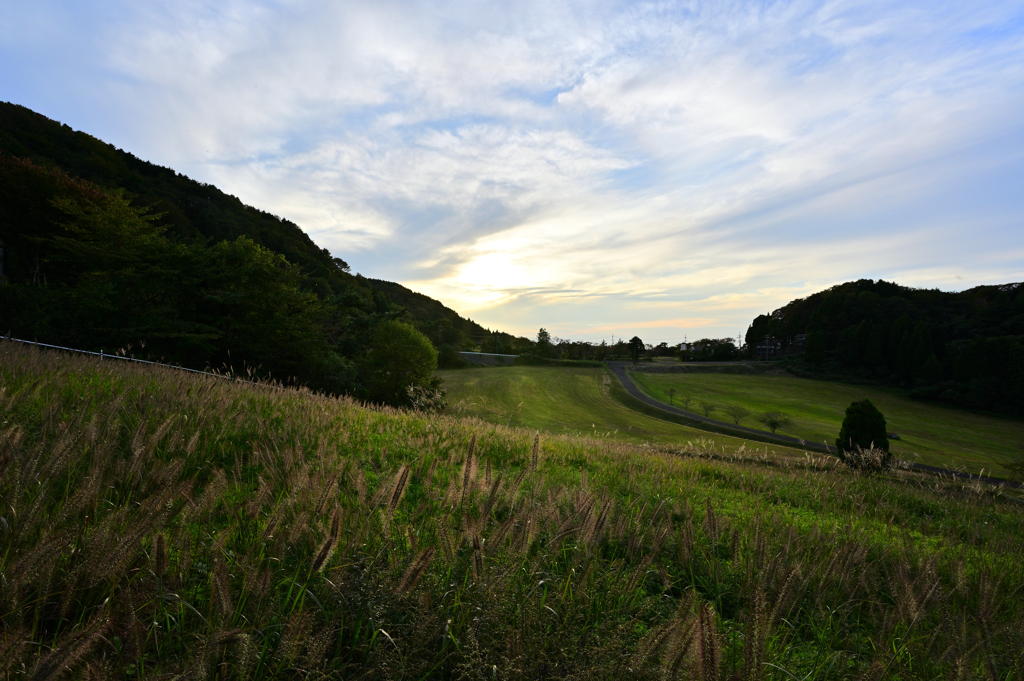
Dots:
pixel 400 357
pixel 863 427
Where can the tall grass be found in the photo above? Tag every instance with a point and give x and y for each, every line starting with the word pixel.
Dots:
pixel 159 524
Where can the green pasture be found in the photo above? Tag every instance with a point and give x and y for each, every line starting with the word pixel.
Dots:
pixel 567 401
pixel 928 434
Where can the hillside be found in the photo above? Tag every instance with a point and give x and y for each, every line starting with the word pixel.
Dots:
pixel 445 327
pixel 964 348
pixel 102 250
pixel 162 523
pixel 190 209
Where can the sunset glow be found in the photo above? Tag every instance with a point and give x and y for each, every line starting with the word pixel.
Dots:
pixel 675 168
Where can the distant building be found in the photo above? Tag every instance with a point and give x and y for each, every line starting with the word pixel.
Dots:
pixel 768 348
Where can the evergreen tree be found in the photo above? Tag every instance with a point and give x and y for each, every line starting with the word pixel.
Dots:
pixel 544 348
pixel 636 347
pixel 873 352
pixel 846 347
pixel 899 329
pixel 931 372
pixel 904 360
pixel 920 348
pixel 815 352
pixel 863 335
pixel 864 427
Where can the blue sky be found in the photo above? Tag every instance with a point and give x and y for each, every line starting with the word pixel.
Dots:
pixel 665 169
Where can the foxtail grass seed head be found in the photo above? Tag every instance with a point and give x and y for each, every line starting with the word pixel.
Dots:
pixel 241 542
pixel 416 570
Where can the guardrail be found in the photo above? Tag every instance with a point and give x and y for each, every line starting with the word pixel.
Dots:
pixel 102 355
pixel 488 358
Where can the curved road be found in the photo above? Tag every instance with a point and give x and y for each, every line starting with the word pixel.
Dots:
pixel 620 371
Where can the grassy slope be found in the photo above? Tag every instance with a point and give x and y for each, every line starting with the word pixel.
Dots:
pixel 561 400
pixel 928 434
pixel 157 522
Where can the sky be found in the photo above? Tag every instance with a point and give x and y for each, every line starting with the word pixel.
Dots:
pixel 661 169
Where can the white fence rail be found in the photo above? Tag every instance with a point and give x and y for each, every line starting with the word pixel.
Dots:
pixel 102 355
pixel 488 358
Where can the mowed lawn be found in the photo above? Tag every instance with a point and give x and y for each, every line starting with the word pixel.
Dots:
pixel 928 434
pixel 565 400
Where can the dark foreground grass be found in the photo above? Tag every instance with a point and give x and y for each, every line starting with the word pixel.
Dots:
pixel 929 433
pixel 163 525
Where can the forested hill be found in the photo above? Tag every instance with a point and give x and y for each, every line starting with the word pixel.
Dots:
pixel 962 347
pixel 102 249
pixel 445 327
pixel 189 209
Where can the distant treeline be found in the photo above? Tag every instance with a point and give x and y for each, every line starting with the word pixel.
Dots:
pixel 101 250
pixel 962 348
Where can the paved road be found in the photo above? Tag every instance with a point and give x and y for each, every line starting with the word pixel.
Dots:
pixel 620 371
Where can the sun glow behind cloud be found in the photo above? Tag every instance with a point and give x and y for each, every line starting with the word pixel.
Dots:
pixel 589 167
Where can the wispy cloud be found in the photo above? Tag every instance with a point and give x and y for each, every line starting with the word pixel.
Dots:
pixel 576 165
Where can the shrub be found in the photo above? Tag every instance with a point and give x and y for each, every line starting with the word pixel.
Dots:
pixel 864 428
pixel 401 356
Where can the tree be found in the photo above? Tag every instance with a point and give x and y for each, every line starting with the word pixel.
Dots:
pixel 846 346
pixel 400 357
pixel 255 309
pixel 931 372
pixel 737 413
pixel 671 394
pixel 723 350
pixel 815 353
pixel 863 428
pixel 774 420
pixel 873 351
pixel 707 407
pixel 636 346
pixel 543 342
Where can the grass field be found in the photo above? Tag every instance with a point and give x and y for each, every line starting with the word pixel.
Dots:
pixel 569 401
pixel 161 525
pixel 928 434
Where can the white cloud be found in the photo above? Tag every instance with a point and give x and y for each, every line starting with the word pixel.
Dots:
pixel 589 161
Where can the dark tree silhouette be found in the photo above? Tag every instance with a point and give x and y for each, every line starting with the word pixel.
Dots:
pixel 863 427
pixel 636 346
